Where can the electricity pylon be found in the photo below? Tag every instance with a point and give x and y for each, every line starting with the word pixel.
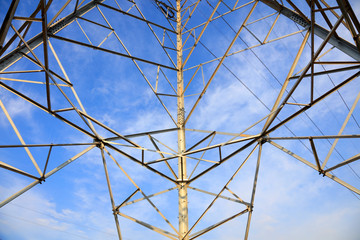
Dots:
pixel 184 33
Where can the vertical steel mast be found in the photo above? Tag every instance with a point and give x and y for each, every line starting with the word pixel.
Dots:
pixel 182 185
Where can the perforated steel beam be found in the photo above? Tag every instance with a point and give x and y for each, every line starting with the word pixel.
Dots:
pixel 18 53
pixel 321 32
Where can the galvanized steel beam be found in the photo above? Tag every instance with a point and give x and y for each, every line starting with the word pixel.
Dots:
pixel 19 52
pixel 321 32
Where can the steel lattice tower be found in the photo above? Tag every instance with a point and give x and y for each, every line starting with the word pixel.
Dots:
pixel 180 49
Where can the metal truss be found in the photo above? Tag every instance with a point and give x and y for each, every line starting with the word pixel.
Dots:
pixel 323 27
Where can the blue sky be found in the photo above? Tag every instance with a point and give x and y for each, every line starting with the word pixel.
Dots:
pixel 292 201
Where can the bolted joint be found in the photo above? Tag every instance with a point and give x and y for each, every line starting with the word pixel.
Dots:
pixel 99 143
pixel 42 179
pixel 115 211
pixel 181 116
pixel 356 38
pixel 322 172
pixel 182 182
pixel 263 140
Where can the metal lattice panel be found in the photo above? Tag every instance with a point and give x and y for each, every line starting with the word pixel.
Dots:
pixel 174 110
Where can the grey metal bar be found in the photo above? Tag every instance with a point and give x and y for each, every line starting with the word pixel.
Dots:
pixel 321 32
pixel 17 54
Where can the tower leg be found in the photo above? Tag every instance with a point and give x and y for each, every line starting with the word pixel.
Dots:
pixel 182 186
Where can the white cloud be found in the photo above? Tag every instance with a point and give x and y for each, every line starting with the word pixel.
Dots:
pixel 16 107
pixel 40 215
